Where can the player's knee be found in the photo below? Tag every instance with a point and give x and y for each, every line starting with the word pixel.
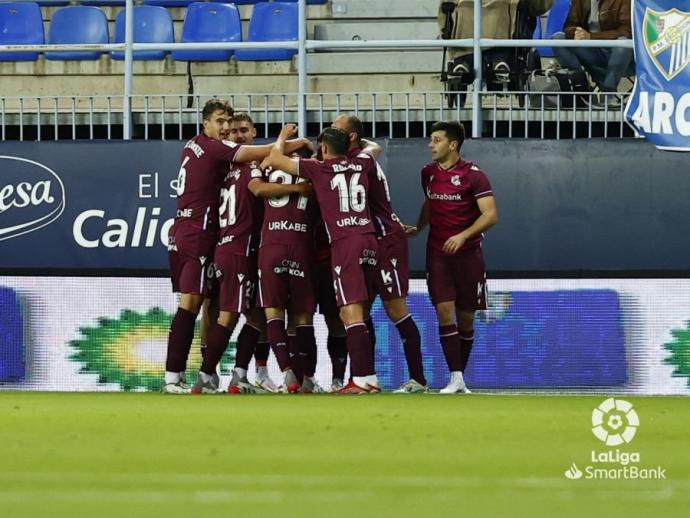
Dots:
pixel 227 319
pixel 465 320
pixel 396 308
pixel 191 302
pixel 445 312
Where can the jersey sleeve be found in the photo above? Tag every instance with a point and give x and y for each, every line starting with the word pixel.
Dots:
pixel 306 168
pixel 480 183
pixel 226 150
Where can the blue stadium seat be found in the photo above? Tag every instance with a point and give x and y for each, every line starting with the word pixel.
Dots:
pixel 273 21
pixel 209 22
pixel 20 24
pixel 152 24
pixel 169 3
pixel 554 23
pixel 103 2
pixel 78 24
pixel 312 2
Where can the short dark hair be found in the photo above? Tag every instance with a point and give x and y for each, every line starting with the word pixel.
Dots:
pixel 242 117
pixel 215 104
pixel 337 140
pixel 453 129
pixel 354 125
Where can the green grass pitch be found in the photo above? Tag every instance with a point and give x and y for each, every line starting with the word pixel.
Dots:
pixel 132 455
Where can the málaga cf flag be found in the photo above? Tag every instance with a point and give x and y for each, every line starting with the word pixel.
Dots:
pixel 659 107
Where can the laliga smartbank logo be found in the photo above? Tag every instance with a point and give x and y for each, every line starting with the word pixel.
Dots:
pixel 615 423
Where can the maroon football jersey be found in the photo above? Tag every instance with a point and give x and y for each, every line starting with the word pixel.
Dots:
pixel 385 220
pixel 288 220
pixel 205 162
pixel 340 186
pixel 453 196
pixel 238 209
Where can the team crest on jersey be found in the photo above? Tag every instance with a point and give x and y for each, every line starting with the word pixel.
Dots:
pixel 234 174
pixel 455 180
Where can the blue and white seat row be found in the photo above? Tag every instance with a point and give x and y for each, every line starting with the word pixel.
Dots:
pixel 21 23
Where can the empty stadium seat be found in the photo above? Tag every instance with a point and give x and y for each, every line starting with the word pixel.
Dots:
pixel 152 24
pixel 312 2
pixel 169 3
pixel 20 24
pixel 103 2
pixel 209 22
pixel 78 24
pixel 554 23
pixel 274 21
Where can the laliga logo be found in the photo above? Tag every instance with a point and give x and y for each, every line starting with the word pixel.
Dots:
pixel 614 422
pixel 31 196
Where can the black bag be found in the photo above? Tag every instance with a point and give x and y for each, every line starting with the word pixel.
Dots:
pixel 559 80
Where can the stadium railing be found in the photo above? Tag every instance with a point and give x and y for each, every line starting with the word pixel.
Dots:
pixel 478 109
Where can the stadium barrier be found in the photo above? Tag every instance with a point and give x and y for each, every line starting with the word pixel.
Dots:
pixel 385 114
pixel 303 45
pixel 566 206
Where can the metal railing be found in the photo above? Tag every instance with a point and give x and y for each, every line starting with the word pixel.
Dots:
pixel 390 114
pixel 127 113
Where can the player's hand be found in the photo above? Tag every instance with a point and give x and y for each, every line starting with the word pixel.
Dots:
pixel 266 162
pixel 581 34
pixel 411 230
pixel 307 144
pixel 453 244
pixel 288 131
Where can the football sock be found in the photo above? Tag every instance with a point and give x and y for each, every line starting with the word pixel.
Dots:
pixel 296 360
pixel 277 337
pixel 307 344
pixel 337 350
pixel 218 339
pixel 359 347
pixel 412 344
pixel 466 341
pixel 246 343
pixel 450 341
pixel 261 354
pixel 180 339
pixel 372 337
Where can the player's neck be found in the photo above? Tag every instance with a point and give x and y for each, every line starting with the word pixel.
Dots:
pixel 450 161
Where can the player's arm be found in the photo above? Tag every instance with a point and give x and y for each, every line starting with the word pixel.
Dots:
pixel 422 221
pixel 487 219
pixel 262 189
pixel 276 157
pixel 371 148
pixel 258 153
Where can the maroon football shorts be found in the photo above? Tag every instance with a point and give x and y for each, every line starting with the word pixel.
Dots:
pixel 325 294
pixel 234 280
pixel 286 278
pixel 460 278
pixel 190 252
pixel 392 275
pixel 353 263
